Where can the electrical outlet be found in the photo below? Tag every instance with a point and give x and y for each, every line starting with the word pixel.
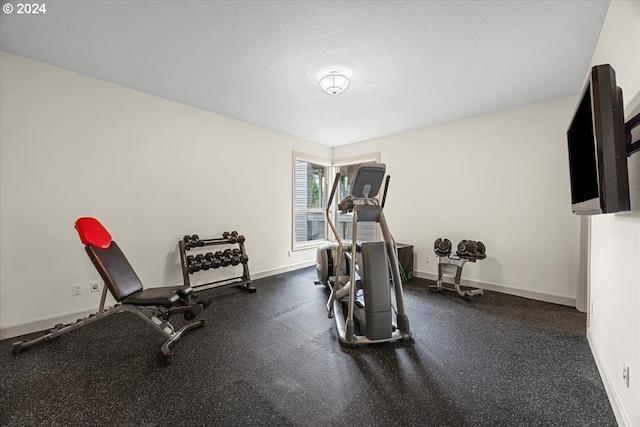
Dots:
pixel 427 259
pixel 95 286
pixel 76 289
pixel 625 374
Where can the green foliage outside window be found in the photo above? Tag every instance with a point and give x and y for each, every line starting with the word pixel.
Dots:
pixel 315 191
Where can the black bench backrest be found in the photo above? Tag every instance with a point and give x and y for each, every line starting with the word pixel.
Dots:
pixel 115 270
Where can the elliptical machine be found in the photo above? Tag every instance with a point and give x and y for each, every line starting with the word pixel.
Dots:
pixel 361 275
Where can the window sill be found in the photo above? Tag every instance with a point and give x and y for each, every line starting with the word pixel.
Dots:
pixel 309 245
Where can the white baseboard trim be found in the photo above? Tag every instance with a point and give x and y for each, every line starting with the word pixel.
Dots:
pixel 509 290
pixel 49 322
pixel 280 270
pixel 614 400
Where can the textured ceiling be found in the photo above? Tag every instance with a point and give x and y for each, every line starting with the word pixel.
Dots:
pixel 411 63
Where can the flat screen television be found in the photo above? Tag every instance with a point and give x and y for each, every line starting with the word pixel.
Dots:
pixel 597 147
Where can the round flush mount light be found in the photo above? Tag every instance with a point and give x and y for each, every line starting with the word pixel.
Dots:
pixel 334 83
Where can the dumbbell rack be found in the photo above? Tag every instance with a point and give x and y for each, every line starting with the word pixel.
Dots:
pixel 452 266
pixel 243 282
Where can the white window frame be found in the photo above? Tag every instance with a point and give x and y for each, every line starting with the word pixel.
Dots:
pixel 316 160
pixel 331 168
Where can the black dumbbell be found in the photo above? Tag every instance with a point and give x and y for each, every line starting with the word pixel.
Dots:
pixel 236 251
pixel 442 247
pixel 467 249
pixel 481 251
pixel 216 263
pixel 227 253
pixel 194 241
pixel 205 264
pixel 232 236
pixel 199 257
pixel 208 256
pixel 194 267
pixel 225 261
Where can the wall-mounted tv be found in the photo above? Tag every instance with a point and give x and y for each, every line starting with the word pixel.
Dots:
pixel 597 147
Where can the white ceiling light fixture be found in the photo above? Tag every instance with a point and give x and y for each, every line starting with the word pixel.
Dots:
pixel 334 83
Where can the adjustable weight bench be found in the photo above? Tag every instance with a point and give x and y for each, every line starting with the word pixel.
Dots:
pixel 154 305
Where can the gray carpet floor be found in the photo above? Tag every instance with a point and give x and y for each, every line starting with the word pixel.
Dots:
pixel 273 358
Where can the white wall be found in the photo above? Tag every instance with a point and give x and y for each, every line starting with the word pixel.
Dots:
pixel 500 178
pixel 151 170
pixel 614 324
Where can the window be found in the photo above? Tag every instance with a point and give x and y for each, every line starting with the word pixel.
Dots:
pixel 310 198
pixel 312 181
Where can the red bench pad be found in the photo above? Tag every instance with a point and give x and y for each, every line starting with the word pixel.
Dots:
pixel 93 233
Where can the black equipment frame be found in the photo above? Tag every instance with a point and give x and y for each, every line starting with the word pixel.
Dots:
pixel 243 282
pixel 632 147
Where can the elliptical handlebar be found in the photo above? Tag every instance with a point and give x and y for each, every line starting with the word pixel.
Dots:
pixel 386 187
pixel 336 181
pixel 333 190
